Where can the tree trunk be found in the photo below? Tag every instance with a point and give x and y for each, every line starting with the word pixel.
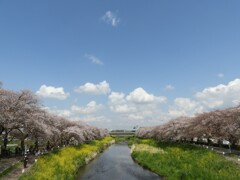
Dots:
pixel 1 130
pixel 22 145
pixel 61 141
pixel 233 143
pixel 36 144
pixel 48 146
pixel 5 141
pixel 209 142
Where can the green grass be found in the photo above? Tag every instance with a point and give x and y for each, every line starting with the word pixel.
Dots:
pixel 182 161
pixel 119 139
pixel 64 164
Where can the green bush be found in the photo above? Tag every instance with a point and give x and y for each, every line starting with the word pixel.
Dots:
pixel 65 163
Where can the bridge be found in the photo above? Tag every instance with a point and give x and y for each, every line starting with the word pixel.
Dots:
pixel 122 133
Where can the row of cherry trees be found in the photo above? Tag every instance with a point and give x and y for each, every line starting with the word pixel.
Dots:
pixel 22 117
pixel 212 126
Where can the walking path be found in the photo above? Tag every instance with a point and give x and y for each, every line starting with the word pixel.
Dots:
pixel 17 172
pixel 5 163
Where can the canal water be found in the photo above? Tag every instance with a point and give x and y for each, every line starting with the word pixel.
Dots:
pixel 115 164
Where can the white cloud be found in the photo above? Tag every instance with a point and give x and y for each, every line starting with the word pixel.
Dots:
pixel 52 92
pixel 135 117
pixel 94 59
pixel 143 108
pixel 101 88
pixel 111 18
pixel 185 103
pixel 138 106
pixel 169 87
pixel 137 100
pixel 122 108
pixel 139 95
pixel 185 107
pixel 91 107
pixel 220 95
pixel 236 102
pixel 83 114
pixel 220 75
pixel 118 103
pixel 95 119
pixel 61 112
pixel 116 97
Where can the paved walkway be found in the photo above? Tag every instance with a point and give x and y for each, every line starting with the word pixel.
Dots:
pixel 219 149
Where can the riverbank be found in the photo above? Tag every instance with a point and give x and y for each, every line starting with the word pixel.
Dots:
pixel 181 161
pixel 64 164
pixel 113 164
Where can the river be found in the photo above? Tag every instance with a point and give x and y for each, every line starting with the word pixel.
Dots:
pixel 115 163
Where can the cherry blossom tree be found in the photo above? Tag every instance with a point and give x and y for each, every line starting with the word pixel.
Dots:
pixel 215 125
pixel 22 117
pixel 9 110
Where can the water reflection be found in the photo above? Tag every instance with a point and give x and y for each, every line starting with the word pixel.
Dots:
pixel 115 164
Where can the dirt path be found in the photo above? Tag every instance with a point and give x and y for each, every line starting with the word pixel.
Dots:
pixel 5 163
pixel 16 173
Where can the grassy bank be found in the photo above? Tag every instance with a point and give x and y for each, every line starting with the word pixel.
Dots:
pixel 120 139
pixel 65 163
pixel 182 161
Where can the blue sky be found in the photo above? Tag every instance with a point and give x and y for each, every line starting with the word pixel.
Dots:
pixel 144 62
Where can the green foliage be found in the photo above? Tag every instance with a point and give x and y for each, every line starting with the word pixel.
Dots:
pixel 119 139
pixel 150 142
pixel 64 163
pixel 182 161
